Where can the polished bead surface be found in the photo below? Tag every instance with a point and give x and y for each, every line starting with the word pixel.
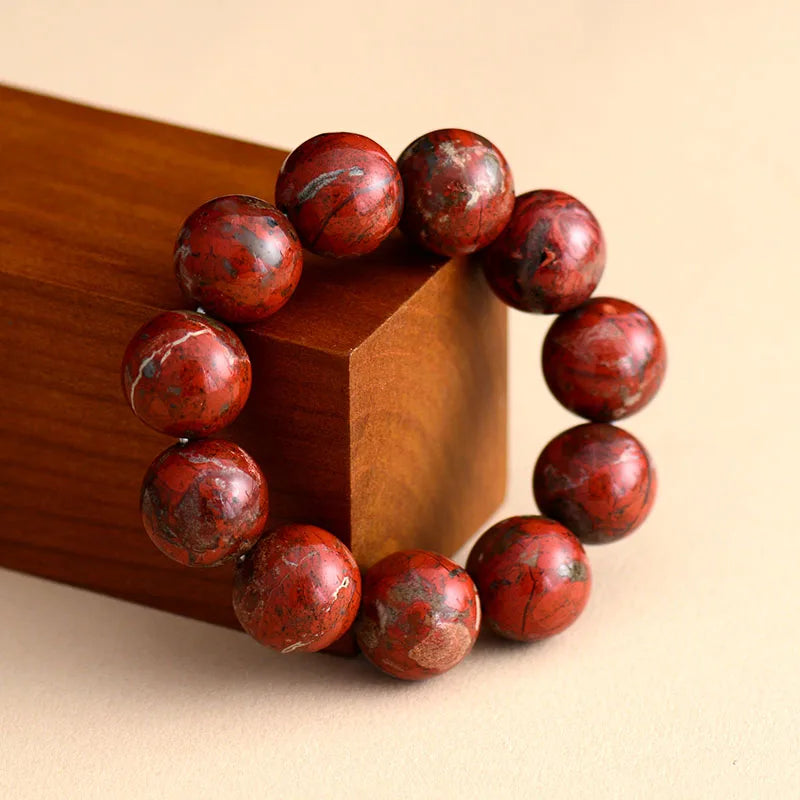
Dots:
pixel 532 575
pixel 420 614
pixel 459 191
pixel 550 256
pixel 204 502
pixel 604 360
pixel 238 257
pixel 185 374
pixel 342 192
pixel 297 590
pixel 597 480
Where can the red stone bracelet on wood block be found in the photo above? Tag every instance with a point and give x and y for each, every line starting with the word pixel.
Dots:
pixel 414 613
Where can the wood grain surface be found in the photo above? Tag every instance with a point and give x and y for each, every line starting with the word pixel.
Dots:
pixel 378 408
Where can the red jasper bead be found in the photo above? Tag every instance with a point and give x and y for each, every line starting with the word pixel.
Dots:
pixel 342 193
pixel 297 590
pixel 459 191
pixel 532 575
pixel 204 502
pixel 185 374
pixel 420 614
pixel 238 257
pixel 550 256
pixel 596 479
pixel 604 360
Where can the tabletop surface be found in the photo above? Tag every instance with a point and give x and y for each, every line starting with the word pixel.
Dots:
pixel 678 125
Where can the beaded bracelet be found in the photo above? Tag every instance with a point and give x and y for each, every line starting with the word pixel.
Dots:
pixel 297 587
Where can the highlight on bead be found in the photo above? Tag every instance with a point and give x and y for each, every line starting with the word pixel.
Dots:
pixel 238 257
pixel 342 192
pixel 533 577
pixel 550 256
pixel 204 502
pixel 419 616
pixel 297 590
pixel 604 360
pixel 596 479
pixel 459 192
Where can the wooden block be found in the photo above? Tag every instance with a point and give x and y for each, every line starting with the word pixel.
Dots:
pixel 378 408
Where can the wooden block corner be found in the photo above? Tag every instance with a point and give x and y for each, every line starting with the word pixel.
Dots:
pixel 378 408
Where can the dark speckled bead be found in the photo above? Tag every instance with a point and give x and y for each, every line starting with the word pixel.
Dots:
pixel 342 192
pixel 459 192
pixel 204 502
pixel 532 575
pixel 297 590
pixel 238 257
pixel 551 255
pixel 185 374
pixel 596 479
pixel 604 360
pixel 420 614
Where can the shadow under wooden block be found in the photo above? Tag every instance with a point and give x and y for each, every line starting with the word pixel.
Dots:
pixel 378 407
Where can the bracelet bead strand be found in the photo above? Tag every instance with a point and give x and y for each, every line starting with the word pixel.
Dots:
pixel 298 589
pixel 604 360
pixel 239 258
pixel 550 257
pixel 185 374
pixel 415 613
pixel 420 614
pixel 459 191
pixel 597 480
pixel 342 192
pixel 533 577
pixel 204 502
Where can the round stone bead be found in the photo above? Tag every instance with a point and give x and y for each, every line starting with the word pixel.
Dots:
pixel 604 360
pixel 297 590
pixel 342 192
pixel 238 257
pixel 185 374
pixel 532 575
pixel 459 191
pixel 204 502
pixel 419 616
pixel 550 256
pixel 596 479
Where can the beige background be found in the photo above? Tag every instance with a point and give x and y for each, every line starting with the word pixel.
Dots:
pixel 678 123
